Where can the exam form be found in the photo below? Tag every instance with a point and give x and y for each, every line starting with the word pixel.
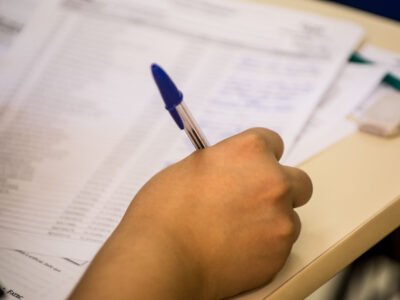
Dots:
pixel 82 126
pixel 30 276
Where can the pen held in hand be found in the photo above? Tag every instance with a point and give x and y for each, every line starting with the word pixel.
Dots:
pixel 173 100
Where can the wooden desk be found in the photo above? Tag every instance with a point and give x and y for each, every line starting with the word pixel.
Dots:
pixel 356 181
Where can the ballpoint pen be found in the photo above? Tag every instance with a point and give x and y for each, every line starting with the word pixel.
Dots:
pixel 173 99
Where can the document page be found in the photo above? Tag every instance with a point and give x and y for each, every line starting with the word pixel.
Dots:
pixel 82 125
pixel 329 122
pixel 29 276
pixel 14 14
pixel 386 59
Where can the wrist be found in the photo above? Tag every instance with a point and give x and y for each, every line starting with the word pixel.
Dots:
pixel 142 265
pixel 158 265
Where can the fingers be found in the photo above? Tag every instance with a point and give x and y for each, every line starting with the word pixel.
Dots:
pixel 254 139
pixel 301 185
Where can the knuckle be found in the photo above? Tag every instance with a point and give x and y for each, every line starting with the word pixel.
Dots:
pixel 281 186
pixel 276 137
pixel 253 140
pixel 286 229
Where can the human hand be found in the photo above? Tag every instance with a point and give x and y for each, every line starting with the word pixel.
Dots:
pixel 217 223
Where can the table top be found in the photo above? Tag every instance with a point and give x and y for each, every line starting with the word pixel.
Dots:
pixel 357 178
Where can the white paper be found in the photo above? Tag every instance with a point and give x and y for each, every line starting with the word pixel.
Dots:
pixel 14 14
pixel 329 123
pixel 83 127
pixel 29 276
pixel 386 59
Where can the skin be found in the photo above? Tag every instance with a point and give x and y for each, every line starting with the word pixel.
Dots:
pixel 217 223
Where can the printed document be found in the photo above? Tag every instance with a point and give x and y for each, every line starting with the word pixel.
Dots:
pixel 82 125
pixel 14 14
pixel 329 122
pixel 30 276
pixel 386 59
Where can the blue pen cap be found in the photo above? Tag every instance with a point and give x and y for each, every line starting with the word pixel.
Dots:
pixel 169 92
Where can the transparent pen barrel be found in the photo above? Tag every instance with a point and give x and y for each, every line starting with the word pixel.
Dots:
pixel 191 128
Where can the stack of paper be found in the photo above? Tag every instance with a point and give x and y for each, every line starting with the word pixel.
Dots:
pixel 82 126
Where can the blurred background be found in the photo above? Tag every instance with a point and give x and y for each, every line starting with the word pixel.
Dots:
pixel 373 276
pixel 386 8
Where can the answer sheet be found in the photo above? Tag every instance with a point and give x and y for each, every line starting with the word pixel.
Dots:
pixel 29 276
pixel 82 125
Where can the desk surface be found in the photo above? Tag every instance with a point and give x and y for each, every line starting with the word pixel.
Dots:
pixel 360 173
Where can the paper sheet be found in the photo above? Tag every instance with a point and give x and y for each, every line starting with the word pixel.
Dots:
pixel 386 59
pixel 36 277
pixel 14 14
pixel 329 122
pixel 82 125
